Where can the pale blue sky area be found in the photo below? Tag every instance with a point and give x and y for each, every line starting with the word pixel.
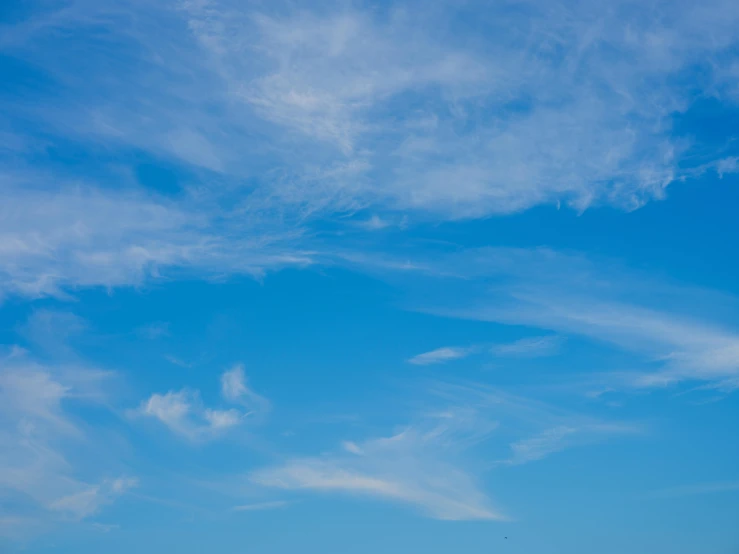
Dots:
pixel 356 277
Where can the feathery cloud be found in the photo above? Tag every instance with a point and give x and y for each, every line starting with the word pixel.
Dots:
pixel 54 242
pixel 696 489
pixel 392 468
pixel 559 438
pixel 440 355
pixel 530 347
pixel 671 325
pixel 259 506
pixel 275 119
pixel 427 463
pixel 41 472
pixel 234 389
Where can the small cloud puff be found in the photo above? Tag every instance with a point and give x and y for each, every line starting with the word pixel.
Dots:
pixel 184 413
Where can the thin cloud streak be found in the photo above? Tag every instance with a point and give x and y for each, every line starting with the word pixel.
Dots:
pixel 530 347
pixel 440 355
pixel 696 490
pixel 556 439
pixel 54 242
pixel 427 463
pixel 570 295
pixel 260 506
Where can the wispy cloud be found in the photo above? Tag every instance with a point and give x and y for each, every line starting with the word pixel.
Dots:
pixel 178 362
pixel 696 489
pixel 259 506
pixel 391 468
pixel 56 241
pixel 428 463
pixel 542 429
pixel 87 502
pixel 325 85
pixel 671 326
pixel 41 472
pixel 688 348
pixel 418 465
pixel 153 331
pixel 536 106
pixel 559 438
pixel 16 527
pixel 52 331
pixel 440 355
pixel 530 347
pixel 234 389
pixel 184 413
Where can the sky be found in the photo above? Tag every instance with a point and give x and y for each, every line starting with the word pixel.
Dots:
pixel 358 277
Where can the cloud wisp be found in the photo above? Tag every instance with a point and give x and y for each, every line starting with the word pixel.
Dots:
pixel 42 475
pixel 260 506
pixel 696 489
pixel 55 242
pixel 431 464
pixel 441 355
pixel 560 437
pixel 529 347
pixel 405 468
pixel 672 327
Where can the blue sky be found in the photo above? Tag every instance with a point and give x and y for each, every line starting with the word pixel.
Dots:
pixel 369 277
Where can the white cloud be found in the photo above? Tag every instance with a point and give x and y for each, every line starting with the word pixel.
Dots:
pixel 56 241
pixel 352 447
pixel 727 165
pixel 52 330
pixel 690 349
pixel 329 70
pixel 543 429
pixel 428 464
pixel 390 470
pixel 222 419
pixel 440 355
pixel 51 468
pixel 88 502
pixel 556 115
pixel 287 116
pixel 540 446
pixel 37 394
pixel 530 347
pixel 176 361
pixel 559 438
pixel 376 223
pixel 678 327
pixel 153 331
pixel 18 527
pixel 696 489
pixel 259 506
pixel 275 118
pixel 183 411
pixel 234 389
pixel 420 466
